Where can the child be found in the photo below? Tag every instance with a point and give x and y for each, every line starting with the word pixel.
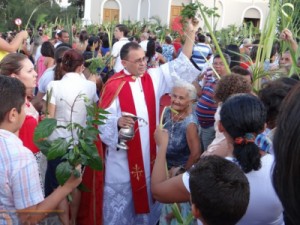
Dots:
pixel 20 185
pixel 219 191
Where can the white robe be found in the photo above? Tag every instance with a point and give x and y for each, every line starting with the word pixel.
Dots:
pixel 116 163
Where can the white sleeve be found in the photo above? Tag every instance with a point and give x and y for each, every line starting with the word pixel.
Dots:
pixel 179 68
pixel 115 50
pixel 185 180
pixel 109 131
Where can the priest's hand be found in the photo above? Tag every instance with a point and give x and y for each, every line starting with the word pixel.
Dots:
pixel 125 122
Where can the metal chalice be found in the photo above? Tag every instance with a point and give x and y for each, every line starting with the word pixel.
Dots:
pixel 127 133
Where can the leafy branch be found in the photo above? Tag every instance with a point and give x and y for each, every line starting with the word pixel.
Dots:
pixel 80 148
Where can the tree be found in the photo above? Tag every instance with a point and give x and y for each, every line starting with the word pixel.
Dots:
pixel 47 14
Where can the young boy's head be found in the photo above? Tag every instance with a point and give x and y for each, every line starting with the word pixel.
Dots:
pixel 12 99
pixel 219 191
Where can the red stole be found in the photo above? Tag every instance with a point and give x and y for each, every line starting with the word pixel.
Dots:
pixel 119 86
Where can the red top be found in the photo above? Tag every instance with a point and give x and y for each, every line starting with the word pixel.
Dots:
pixel 26 133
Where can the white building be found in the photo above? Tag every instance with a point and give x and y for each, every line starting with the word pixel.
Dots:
pixel 230 11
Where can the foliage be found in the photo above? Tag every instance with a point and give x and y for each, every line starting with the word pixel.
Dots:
pixel 178 216
pixel 289 18
pixel 98 64
pixel 189 11
pixel 204 16
pixel 235 35
pixel 80 148
pixel 12 9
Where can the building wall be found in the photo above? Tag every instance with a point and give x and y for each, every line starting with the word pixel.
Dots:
pixel 231 11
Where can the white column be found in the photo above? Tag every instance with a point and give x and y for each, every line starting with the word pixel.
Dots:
pixel 87 12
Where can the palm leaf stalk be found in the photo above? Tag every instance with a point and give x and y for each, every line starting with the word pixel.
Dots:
pixel 266 42
pixel 287 13
pixel 213 38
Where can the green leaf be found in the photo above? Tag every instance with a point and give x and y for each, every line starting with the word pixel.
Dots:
pixel 83 159
pixel 44 129
pixel 63 172
pixel 43 146
pixel 84 188
pixel 95 162
pixel 188 219
pixel 83 144
pixel 177 213
pixel 58 148
pixel 71 157
pixel 102 111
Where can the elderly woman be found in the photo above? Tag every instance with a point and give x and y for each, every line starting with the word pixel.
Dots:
pixel 242 116
pixel 179 119
pixel 184 145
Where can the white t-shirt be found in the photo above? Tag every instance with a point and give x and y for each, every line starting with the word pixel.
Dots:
pixel 264 206
pixel 64 93
pixel 143 45
pixel 116 53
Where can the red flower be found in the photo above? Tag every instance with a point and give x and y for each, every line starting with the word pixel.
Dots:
pixel 176 25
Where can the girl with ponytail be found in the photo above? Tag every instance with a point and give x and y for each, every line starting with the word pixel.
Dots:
pixel 242 118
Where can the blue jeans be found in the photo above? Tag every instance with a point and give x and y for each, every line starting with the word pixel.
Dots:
pixel 207 135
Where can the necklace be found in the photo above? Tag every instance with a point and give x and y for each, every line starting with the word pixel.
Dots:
pixel 173 122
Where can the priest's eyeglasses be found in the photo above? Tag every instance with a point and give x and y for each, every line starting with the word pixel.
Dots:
pixel 139 61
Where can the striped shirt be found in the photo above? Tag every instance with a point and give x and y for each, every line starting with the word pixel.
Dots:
pixel 19 180
pixel 206 105
pixel 200 52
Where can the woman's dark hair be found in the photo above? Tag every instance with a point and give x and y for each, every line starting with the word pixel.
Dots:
pixel 93 40
pixel 11 63
pixel 47 49
pixel 287 155
pixel 253 53
pixel 58 54
pixel 71 60
pixel 151 49
pixel 244 115
pixel 272 94
pixel 105 41
pixel 233 51
pixel 83 36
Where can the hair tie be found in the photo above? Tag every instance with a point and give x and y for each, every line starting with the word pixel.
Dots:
pixel 248 138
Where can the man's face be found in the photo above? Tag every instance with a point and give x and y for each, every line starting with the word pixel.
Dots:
pixel 65 37
pixel 285 59
pixel 135 63
pixel 118 34
pixel 219 66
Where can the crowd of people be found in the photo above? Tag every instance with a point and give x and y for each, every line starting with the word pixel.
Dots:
pixel 224 153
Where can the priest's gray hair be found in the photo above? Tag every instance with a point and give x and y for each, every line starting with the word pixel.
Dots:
pixel 187 86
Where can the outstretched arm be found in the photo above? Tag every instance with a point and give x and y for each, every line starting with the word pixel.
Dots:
pixel 190 32
pixel 166 190
pixel 15 43
pixel 287 35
